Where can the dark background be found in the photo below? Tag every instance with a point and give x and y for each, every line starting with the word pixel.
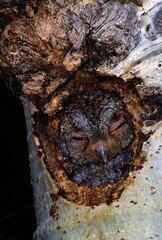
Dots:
pixel 17 219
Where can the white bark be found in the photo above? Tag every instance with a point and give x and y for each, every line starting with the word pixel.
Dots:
pixel 136 215
pixel 138 212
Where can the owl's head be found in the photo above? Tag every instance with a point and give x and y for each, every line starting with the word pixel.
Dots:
pixel 96 136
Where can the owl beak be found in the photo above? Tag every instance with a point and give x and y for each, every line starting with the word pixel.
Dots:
pixel 102 151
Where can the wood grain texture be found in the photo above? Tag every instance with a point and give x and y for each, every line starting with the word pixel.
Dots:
pixel 53 50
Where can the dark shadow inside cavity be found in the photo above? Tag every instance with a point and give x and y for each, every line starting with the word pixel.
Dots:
pixel 155 103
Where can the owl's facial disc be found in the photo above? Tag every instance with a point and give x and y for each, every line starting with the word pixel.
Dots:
pixel 96 139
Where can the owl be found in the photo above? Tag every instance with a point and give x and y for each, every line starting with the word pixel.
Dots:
pixel 96 134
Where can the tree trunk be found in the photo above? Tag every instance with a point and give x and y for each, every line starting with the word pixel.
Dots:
pixel 52 51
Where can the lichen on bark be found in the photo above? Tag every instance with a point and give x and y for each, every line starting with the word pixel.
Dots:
pixel 53 50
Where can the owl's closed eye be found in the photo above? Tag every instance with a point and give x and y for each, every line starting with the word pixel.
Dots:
pixel 96 136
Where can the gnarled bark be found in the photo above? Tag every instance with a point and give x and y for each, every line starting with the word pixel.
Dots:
pixel 52 50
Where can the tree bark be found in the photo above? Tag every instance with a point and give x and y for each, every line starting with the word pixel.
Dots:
pixel 52 50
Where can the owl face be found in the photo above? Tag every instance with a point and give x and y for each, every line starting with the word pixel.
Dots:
pixel 96 136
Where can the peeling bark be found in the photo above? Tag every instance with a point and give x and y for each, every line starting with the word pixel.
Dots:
pixel 52 50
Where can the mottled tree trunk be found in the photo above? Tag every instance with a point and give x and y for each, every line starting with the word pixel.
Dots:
pixel 51 50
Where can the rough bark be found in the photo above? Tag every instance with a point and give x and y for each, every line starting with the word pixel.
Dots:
pixel 51 50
